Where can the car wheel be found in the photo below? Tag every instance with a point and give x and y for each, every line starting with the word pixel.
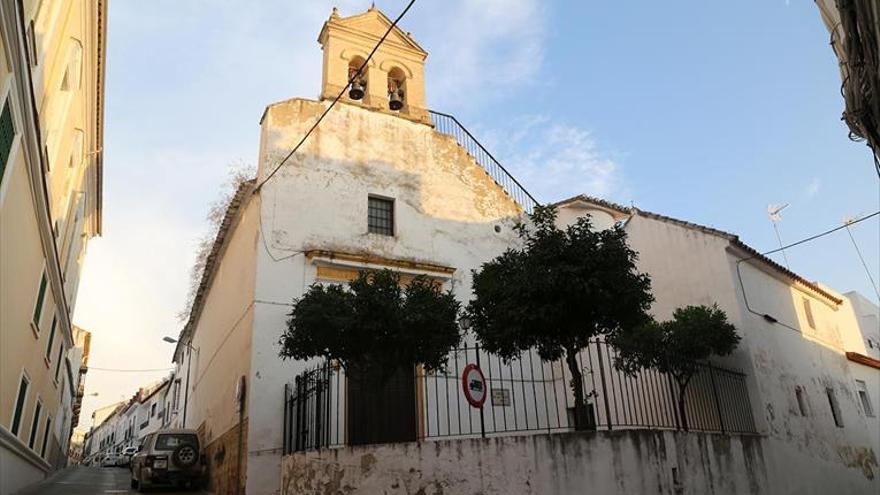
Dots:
pixel 185 456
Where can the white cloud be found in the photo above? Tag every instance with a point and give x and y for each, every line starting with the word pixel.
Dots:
pixel 813 187
pixel 555 160
pixel 481 49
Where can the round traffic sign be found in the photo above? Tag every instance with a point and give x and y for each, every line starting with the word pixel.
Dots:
pixel 474 384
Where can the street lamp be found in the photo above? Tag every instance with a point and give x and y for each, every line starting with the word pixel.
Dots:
pixel 171 340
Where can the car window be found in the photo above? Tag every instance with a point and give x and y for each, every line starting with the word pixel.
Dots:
pixel 170 441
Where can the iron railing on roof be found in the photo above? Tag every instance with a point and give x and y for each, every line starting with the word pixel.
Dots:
pixel 449 125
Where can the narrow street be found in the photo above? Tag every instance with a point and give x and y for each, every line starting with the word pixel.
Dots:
pixel 82 480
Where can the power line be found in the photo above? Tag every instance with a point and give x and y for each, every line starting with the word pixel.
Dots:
pixel 344 89
pixel 808 239
pixel 862 259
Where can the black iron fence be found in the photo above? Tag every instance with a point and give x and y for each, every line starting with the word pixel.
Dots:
pixel 449 125
pixel 525 395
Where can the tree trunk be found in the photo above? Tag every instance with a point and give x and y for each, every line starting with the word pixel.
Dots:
pixel 581 415
pixel 682 390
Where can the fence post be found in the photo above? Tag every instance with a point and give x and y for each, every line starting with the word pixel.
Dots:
pixel 319 389
pixel 674 402
pixel 286 426
pixel 482 417
pixel 717 401
pixel 604 387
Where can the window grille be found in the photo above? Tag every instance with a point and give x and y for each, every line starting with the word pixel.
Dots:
pixel 380 216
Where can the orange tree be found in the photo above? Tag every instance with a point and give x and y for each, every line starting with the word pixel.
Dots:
pixel 678 346
pixel 561 289
pixel 374 322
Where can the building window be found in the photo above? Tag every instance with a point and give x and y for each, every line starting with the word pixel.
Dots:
pixel 801 401
pixel 51 339
pixel 19 404
pixel 835 407
pixel 7 135
pixel 380 216
pixel 73 74
pixel 58 364
pixel 32 44
pixel 865 399
pixel 153 411
pixel 35 424
pixel 41 297
pixel 46 436
pixel 809 312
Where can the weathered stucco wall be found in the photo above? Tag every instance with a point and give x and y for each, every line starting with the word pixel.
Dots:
pixel 625 462
pixel 448 212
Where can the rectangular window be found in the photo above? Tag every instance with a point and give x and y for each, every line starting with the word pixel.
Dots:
pixel 58 364
pixel 32 44
pixel 801 400
pixel 153 410
pixel 46 436
pixel 865 399
pixel 35 425
pixel 19 405
pixel 809 312
pixel 7 135
pixel 51 339
pixel 835 408
pixel 41 296
pixel 380 216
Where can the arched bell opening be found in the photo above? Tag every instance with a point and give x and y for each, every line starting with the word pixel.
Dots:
pixel 396 89
pixel 358 88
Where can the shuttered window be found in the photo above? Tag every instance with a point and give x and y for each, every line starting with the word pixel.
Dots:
pixel 51 339
pixel 58 364
pixel 46 437
pixel 7 134
pixel 41 296
pixel 808 310
pixel 19 405
pixel 35 425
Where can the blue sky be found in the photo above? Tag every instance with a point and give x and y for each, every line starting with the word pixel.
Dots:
pixel 706 111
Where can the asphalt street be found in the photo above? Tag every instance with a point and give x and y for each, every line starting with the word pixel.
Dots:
pixel 82 480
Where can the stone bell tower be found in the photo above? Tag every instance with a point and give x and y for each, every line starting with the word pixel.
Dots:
pixel 394 80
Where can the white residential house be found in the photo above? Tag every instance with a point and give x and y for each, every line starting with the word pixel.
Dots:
pixel 796 335
pixel 863 350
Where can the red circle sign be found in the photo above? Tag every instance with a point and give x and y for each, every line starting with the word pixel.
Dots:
pixel 474 384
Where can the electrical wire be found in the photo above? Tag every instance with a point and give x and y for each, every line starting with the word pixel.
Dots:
pixel 814 237
pixel 335 100
pixel 118 370
pixel 802 241
pixel 862 259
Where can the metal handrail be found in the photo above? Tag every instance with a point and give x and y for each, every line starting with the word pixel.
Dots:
pixel 449 125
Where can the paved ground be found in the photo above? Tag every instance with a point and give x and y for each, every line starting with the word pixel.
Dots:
pixel 89 481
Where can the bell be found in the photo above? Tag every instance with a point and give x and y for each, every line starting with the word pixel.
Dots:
pixel 394 101
pixel 356 92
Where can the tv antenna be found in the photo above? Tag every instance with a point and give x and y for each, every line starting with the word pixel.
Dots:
pixel 773 211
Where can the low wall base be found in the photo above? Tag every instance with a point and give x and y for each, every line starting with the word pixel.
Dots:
pixel 632 461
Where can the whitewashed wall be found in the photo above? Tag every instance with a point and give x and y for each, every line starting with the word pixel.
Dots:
pixel 448 212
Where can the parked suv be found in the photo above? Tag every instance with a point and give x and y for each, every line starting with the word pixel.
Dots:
pixel 168 457
pixel 126 455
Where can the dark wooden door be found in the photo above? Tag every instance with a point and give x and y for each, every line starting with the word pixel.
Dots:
pixel 381 409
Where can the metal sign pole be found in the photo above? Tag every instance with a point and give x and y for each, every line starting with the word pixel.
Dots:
pixel 482 416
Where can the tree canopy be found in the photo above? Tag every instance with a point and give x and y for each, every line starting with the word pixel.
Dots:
pixel 375 321
pixel 678 346
pixel 561 289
